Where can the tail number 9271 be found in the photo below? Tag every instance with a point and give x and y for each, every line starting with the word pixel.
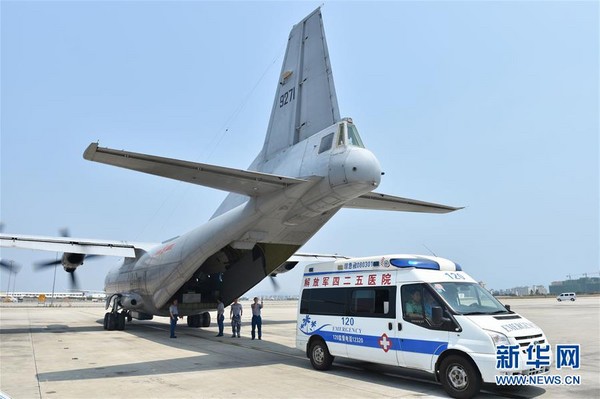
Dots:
pixel 287 97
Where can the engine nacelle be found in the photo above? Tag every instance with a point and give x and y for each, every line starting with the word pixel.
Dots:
pixel 71 261
pixel 283 268
pixel 131 301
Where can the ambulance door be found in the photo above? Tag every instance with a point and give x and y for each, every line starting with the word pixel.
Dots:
pixel 421 342
pixel 371 324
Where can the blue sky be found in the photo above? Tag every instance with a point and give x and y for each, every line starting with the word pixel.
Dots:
pixel 488 105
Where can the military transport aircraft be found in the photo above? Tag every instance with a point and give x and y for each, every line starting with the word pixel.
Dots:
pixel 313 163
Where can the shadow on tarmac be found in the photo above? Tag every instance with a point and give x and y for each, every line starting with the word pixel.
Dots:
pixel 52 328
pixel 232 353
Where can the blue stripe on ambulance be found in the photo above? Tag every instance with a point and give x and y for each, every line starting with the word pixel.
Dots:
pixel 398 344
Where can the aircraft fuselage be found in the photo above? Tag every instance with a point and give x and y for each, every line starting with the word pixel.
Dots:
pixel 338 171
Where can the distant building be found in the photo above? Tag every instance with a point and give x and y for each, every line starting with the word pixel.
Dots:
pixel 583 285
pixel 539 289
pixel 520 291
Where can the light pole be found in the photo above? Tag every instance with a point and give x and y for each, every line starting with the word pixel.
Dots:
pixel 53 284
pixel 14 283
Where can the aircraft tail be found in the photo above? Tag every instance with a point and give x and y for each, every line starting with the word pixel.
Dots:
pixel 305 100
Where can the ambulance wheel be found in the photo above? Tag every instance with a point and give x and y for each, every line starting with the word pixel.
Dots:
pixel 572 299
pixel 319 355
pixel 459 377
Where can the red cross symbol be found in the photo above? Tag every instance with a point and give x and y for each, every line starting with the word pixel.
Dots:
pixel 385 343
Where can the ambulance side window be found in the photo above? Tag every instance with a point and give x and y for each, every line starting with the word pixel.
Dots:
pixel 417 304
pixel 324 301
pixel 379 302
pixel 373 302
pixel 412 303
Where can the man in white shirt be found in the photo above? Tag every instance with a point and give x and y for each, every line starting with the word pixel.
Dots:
pixel 256 318
pixel 174 314
pixel 220 316
pixel 236 318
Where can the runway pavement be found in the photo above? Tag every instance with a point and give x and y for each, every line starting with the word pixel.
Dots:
pixel 63 352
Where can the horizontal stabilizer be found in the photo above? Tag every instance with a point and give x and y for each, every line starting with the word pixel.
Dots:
pixel 386 202
pixel 228 179
pixel 73 245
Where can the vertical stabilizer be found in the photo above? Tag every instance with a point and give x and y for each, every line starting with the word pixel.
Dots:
pixel 305 99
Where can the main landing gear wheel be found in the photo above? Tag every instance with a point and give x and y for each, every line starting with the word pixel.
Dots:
pixel 205 317
pixel 115 319
pixel 120 323
pixel 194 321
pixel 199 320
pixel 111 321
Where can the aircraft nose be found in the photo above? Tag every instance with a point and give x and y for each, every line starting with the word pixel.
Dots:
pixel 362 167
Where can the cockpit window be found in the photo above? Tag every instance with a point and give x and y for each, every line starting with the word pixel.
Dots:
pixel 326 143
pixel 353 137
pixel 341 135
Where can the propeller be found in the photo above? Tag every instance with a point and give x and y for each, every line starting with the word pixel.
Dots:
pixel 70 261
pixel 8 265
pixel 74 285
pixel 42 265
pixel 274 283
pixel 70 258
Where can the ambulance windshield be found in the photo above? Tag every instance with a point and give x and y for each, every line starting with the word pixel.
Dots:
pixel 469 298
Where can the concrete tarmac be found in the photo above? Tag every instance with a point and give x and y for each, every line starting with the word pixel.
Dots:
pixel 63 352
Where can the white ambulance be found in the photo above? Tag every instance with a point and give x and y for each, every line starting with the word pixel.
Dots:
pixel 414 311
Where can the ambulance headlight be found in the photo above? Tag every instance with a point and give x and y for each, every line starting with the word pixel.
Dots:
pixel 498 338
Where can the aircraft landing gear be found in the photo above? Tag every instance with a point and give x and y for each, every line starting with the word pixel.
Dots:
pixel 199 320
pixel 115 319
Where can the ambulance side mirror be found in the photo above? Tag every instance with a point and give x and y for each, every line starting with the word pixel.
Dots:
pixel 437 315
pixel 507 307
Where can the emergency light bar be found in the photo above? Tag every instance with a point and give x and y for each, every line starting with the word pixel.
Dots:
pixel 417 263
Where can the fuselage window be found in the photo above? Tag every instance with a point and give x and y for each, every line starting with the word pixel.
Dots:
pixel 341 135
pixel 353 137
pixel 326 143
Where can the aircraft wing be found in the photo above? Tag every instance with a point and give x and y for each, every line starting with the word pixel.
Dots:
pixel 386 202
pixel 239 181
pixel 73 245
pixel 302 257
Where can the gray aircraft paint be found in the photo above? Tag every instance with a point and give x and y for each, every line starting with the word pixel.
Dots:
pixel 287 194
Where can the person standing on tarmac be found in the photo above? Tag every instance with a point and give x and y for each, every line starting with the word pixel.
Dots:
pixel 220 316
pixel 236 318
pixel 174 314
pixel 256 318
